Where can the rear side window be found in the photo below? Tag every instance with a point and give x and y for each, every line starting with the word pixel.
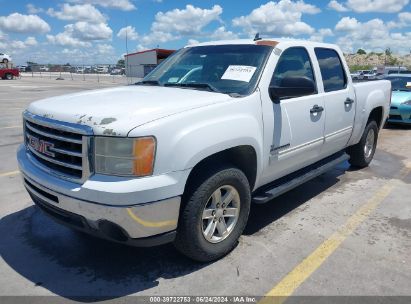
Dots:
pixel 332 70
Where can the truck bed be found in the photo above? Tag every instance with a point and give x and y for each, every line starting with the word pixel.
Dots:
pixel 369 94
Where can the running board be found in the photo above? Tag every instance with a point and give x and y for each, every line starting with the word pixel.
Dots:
pixel 298 178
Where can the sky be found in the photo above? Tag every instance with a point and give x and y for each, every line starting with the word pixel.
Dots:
pixel 94 31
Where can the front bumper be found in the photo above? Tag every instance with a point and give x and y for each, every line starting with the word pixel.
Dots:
pixel 141 224
pixel 400 114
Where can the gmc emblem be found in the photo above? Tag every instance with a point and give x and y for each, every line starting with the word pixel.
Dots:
pixel 41 146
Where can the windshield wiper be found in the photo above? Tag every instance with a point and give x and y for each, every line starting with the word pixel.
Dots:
pixel 149 82
pixel 208 86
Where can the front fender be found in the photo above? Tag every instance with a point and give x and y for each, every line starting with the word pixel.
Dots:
pixel 185 139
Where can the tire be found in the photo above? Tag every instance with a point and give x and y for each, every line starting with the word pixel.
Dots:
pixel 362 153
pixel 191 238
pixel 5 60
pixel 8 76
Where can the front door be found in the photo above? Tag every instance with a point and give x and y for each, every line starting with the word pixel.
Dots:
pixel 298 133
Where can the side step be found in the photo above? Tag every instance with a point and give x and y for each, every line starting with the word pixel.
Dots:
pixel 298 178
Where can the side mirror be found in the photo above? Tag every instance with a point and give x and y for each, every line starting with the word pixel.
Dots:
pixel 291 87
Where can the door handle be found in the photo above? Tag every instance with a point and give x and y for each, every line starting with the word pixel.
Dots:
pixel 349 101
pixel 316 109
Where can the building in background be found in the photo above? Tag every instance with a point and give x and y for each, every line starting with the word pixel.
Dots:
pixel 141 63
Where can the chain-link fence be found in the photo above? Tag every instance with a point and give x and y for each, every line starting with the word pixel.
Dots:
pixel 97 73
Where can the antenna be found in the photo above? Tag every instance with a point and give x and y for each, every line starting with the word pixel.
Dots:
pixel 257 37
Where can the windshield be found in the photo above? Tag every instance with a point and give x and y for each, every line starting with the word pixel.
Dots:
pixel 229 69
pixel 400 83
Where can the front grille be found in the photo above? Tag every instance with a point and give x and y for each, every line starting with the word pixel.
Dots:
pixel 53 147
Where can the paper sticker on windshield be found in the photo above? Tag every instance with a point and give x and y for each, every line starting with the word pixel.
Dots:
pixel 408 85
pixel 239 72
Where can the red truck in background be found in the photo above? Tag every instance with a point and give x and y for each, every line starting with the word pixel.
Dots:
pixel 9 73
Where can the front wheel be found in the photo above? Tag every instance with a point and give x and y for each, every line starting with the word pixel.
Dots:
pixel 362 153
pixel 9 76
pixel 214 215
pixel 5 60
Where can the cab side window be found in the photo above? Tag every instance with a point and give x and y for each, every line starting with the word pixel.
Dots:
pixel 294 61
pixel 332 70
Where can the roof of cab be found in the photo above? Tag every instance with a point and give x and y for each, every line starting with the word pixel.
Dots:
pixel 282 41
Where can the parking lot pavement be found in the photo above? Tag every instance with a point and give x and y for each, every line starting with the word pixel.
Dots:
pixel 347 232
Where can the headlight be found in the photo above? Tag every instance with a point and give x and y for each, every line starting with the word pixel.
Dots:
pixel 408 102
pixel 125 156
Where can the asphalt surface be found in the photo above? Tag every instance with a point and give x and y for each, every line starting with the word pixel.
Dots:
pixel 347 232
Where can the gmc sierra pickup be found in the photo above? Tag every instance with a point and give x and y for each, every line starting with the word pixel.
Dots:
pixel 182 155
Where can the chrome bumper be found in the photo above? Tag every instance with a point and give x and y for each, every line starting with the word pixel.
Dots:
pixel 118 223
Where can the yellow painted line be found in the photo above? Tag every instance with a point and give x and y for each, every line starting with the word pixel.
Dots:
pixel 149 223
pixel 11 127
pixel 11 173
pixel 302 271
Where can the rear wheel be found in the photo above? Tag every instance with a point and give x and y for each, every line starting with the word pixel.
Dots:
pixel 8 76
pixel 214 215
pixel 362 153
pixel 5 60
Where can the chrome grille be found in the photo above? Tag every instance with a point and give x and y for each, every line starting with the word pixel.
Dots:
pixel 58 147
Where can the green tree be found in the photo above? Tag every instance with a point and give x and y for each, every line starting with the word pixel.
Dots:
pixel 121 63
pixel 361 52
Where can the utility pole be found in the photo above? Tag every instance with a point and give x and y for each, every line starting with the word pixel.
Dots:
pixel 127 68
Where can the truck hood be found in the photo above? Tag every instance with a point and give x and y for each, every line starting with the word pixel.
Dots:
pixel 115 111
pixel 398 97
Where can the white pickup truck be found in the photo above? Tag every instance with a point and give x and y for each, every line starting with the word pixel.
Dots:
pixel 182 155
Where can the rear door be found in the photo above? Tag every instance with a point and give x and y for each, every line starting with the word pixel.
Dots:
pixel 339 101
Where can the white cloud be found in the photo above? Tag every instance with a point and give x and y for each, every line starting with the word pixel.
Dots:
pixel 30 41
pixel 382 6
pixel 156 38
pixel 337 6
pixel 3 36
pixel 102 53
pixel 347 24
pixel 278 18
pixel 66 39
pixel 222 34
pixel 124 5
pixel 105 49
pixel 81 33
pixel 176 23
pixel 89 31
pixel 128 32
pixel 190 20
pixel 367 6
pixel 32 9
pixel 18 23
pixel 141 47
pixel 192 41
pixel 405 17
pixel 321 34
pixel 81 12
pixel 16 45
pixel 373 35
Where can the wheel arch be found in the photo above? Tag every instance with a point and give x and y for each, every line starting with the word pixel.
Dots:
pixel 377 115
pixel 243 157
